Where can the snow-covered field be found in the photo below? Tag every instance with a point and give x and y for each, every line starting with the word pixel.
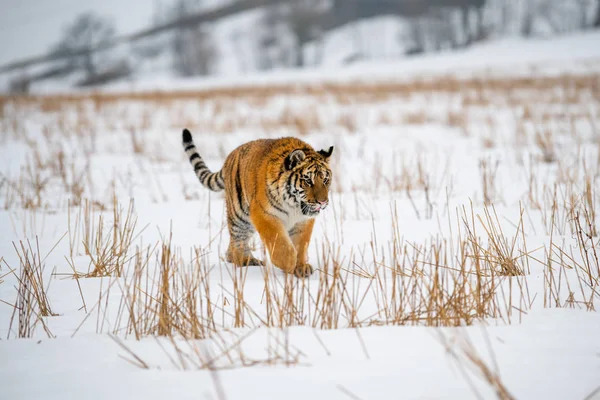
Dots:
pixel 458 259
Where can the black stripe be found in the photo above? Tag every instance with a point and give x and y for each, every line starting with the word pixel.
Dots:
pixel 189 146
pixel 211 180
pixel 221 181
pixel 289 181
pixel 244 213
pixel 194 157
pixel 240 222
pixel 244 217
pixel 238 187
pixel 241 228
pixel 268 213
pixel 281 172
pixel 274 203
pixel 203 174
pixel 275 206
pixel 237 227
pixel 240 237
pixel 291 184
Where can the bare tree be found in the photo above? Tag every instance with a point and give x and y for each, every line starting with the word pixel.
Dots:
pixel 285 29
pixel 273 39
pixel 88 31
pixel 553 16
pixel 149 48
pixel 436 30
pixel 191 47
pixel 563 16
pixel 481 33
pixel 466 23
pixel 414 36
pixel 582 9
pixel 527 18
pixel 506 13
pixel 19 84
pixel 303 19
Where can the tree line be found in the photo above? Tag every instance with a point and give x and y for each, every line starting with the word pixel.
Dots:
pixel 183 32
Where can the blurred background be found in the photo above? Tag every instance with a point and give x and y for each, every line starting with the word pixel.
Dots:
pixel 74 43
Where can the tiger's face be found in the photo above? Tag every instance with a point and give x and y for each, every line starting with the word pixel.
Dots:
pixel 309 182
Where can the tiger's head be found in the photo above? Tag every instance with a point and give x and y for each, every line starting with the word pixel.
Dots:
pixel 308 183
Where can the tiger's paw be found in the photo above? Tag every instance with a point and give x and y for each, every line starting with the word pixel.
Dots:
pixel 303 270
pixel 243 260
pixel 254 261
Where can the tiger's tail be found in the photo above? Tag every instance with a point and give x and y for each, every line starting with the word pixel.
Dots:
pixel 211 180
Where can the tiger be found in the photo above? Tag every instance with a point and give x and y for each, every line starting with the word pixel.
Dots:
pixel 276 187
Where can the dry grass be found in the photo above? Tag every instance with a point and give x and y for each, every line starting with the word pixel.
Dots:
pixel 219 111
pixel 355 89
pixel 298 109
pixel 32 304
pixel 430 284
pixel 435 283
pixel 44 170
pixel 107 246
pixel 499 254
pixel 167 304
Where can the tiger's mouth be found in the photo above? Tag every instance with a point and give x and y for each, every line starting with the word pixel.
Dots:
pixel 310 208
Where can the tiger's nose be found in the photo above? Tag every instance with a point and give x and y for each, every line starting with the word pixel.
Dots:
pixel 323 203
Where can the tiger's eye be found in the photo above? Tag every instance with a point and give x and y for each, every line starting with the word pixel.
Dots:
pixel 305 181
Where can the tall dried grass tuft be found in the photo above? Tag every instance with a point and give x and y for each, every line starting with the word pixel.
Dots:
pixel 167 301
pixel 109 251
pixel 32 303
pixel 500 254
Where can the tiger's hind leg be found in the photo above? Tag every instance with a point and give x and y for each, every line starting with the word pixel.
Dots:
pixel 240 233
pixel 239 253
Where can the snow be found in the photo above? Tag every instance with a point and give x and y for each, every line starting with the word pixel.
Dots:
pixel 541 358
pixel 407 174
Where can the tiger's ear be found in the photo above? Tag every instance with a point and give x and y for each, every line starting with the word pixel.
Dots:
pixel 294 158
pixel 326 154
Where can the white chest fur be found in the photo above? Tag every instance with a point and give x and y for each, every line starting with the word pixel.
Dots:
pixel 294 216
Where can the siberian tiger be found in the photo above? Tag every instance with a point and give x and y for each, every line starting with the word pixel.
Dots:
pixel 274 186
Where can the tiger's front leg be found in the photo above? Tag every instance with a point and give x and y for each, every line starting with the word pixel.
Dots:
pixel 275 238
pixel 300 235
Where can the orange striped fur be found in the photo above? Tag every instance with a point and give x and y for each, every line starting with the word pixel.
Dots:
pixel 275 187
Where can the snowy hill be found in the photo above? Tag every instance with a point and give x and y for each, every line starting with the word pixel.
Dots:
pixel 574 53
